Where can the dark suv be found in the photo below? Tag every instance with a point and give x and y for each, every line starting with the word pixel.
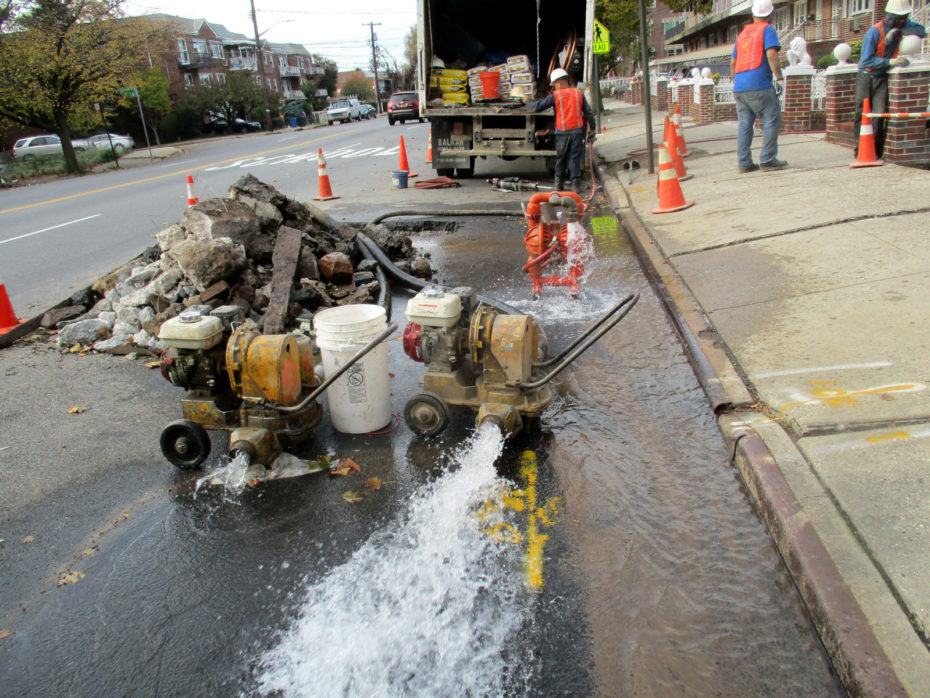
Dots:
pixel 402 106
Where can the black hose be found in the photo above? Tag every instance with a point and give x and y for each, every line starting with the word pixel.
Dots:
pixel 451 212
pixel 384 292
pixel 413 282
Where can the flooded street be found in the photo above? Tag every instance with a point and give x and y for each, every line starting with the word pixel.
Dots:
pixel 608 550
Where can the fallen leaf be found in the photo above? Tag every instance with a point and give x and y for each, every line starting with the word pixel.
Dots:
pixel 28 539
pixel 76 348
pixel 352 497
pixel 125 516
pixel 88 552
pixel 373 483
pixel 153 364
pixel 4 634
pixel 252 482
pixel 340 471
pixel 76 410
pixel 348 462
pixel 70 578
pixel 390 375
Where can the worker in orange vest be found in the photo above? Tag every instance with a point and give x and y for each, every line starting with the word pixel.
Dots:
pixel 754 63
pixel 573 119
pixel 879 53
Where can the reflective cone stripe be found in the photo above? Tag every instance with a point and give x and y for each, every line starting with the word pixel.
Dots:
pixel 679 132
pixel 866 156
pixel 670 196
pixel 8 318
pixel 403 166
pixel 672 146
pixel 191 199
pixel 326 191
pixel 429 148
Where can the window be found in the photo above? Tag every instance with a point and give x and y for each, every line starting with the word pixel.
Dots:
pixel 206 79
pixel 188 80
pixel 216 48
pixel 780 19
pixel 220 78
pixel 282 61
pixel 732 34
pixel 856 7
pixel 799 12
pixel 200 47
pixel 183 56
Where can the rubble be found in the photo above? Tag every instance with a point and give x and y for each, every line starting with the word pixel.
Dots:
pixel 223 251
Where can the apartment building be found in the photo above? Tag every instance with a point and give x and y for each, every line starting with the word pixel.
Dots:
pixel 203 52
pixel 707 40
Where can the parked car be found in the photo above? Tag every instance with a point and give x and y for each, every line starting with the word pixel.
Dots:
pixel 368 112
pixel 47 144
pixel 402 106
pixel 105 141
pixel 220 125
pixel 345 109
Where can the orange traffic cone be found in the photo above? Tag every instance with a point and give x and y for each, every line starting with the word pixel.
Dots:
pixel 672 145
pixel 670 196
pixel 403 166
pixel 679 132
pixel 7 317
pixel 429 148
pixel 668 125
pixel 191 199
pixel 326 191
pixel 866 156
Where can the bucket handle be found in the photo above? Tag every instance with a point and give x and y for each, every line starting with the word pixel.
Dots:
pixel 332 379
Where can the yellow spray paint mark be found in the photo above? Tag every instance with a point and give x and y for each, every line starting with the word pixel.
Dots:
pixel 525 501
pixel 836 397
pixel 604 225
pixel 888 437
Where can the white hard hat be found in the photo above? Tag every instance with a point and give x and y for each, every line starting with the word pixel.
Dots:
pixel 763 8
pixel 558 74
pixel 899 7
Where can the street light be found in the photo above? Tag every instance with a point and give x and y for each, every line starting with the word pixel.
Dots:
pixel 261 61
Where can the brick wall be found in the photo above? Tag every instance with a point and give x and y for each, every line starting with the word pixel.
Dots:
pixel 841 106
pixel 705 109
pixel 907 140
pixel 660 99
pixel 796 116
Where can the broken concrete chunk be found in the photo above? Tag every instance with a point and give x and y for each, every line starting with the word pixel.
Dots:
pixel 109 317
pixel 336 268
pixel 421 268
pixel 56 315
pixel 83 332
pixel 169 237
pixel 117 344
pixel 120 327
pixel 205 262
pixel 307 267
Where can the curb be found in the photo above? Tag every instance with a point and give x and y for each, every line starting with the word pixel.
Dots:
pixel 846 634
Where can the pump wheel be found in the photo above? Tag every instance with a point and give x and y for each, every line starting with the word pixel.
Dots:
pixel 426 414
pixel 185 444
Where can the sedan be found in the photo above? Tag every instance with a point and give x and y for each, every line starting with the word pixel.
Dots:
pixel 105 141
pixel 220 125
pixel 366 111
pixel 49 144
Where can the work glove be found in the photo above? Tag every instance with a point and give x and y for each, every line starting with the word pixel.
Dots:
pixel 779 87
pixel 591 137
pixel 901 61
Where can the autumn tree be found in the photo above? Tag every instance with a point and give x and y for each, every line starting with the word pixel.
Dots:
pixel 57 57
pixel 326 81
pixel 359 85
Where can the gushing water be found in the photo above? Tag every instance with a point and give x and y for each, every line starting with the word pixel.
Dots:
pixel 231 476
pixel 430 605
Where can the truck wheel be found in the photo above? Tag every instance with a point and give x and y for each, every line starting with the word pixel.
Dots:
pixel 426 414
pixel 466 172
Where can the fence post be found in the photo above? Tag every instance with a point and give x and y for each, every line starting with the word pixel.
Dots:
pixel 796 116
pixel 841 104
pixel 907 142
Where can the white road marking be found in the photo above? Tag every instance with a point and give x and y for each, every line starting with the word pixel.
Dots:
pixel 45 230
pixel 820 369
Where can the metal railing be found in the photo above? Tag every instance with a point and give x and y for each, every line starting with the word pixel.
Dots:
pixel 723 92
pixel 819 91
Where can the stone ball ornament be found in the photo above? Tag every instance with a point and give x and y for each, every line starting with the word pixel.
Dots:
pixel 842 52
pixel 910 45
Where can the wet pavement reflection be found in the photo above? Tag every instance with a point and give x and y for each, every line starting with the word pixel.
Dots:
pixel 608 550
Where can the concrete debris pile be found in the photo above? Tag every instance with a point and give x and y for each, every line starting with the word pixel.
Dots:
pixel 278 259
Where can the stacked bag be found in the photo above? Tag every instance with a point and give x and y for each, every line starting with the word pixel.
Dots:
pixel 452 83
pixel 516 79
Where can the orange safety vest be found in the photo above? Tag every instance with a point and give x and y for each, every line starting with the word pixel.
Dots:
pixel 880 48
pixel 568 113
pixel 750 47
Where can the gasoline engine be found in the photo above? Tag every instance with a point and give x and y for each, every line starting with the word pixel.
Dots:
pixel 555 235
pixel 484 360
pixel 260 388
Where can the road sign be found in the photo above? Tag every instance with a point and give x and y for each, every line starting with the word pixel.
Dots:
pixel 128 91
pixel 601 43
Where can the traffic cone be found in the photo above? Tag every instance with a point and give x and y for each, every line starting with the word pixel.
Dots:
pixel 7 317
pixel 403 166
pixel 679 132
pixel 866 156
pixel 672 145
pixel 326 192
pixel 429 148
pixel 191 199
pixel 670 196
pixel 668 125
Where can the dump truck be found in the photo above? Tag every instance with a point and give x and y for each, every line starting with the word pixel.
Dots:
pixel 458 40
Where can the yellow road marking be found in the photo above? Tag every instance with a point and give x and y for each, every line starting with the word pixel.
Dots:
pixel 888 437
pixel 835 397
pixel 163 176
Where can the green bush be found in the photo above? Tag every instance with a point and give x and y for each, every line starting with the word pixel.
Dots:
pixel 826 61
pixel 53 165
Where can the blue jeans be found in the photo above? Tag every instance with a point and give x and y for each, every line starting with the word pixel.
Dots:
pixel 765 105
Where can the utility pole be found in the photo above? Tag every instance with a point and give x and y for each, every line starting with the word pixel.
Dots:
pixel 374 63
pixel 261 67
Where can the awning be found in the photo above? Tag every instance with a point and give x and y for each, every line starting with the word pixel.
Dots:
pixel 695 58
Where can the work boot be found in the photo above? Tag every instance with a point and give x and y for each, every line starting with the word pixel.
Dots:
pixel 558 184
pixel 774 165
pixel 578 186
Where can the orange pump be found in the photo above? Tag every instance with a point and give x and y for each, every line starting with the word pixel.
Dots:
pixel 555 235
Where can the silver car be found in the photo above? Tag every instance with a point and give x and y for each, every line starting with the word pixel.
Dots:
pixel 49 144
pixel 105 141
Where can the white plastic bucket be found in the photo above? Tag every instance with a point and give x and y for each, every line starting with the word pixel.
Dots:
pixel 360 399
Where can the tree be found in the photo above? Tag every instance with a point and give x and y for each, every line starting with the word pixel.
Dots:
pixel 327 81
pixel 359 85
pixel 57 57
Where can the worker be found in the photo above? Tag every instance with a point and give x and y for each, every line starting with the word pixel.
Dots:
pixel 573 120
pixel 879 53
pixel 754 63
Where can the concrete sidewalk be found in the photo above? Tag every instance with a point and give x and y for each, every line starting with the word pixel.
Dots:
pixel 802 296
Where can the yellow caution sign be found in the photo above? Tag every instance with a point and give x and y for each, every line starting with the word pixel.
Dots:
pixel 601 43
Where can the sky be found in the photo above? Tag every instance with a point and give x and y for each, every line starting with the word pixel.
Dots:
pixel 338 30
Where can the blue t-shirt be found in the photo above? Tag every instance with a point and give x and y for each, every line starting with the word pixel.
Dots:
pixel 761 77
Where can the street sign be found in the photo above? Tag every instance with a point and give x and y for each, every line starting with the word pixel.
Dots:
pixel 601 43
pixel 128 91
